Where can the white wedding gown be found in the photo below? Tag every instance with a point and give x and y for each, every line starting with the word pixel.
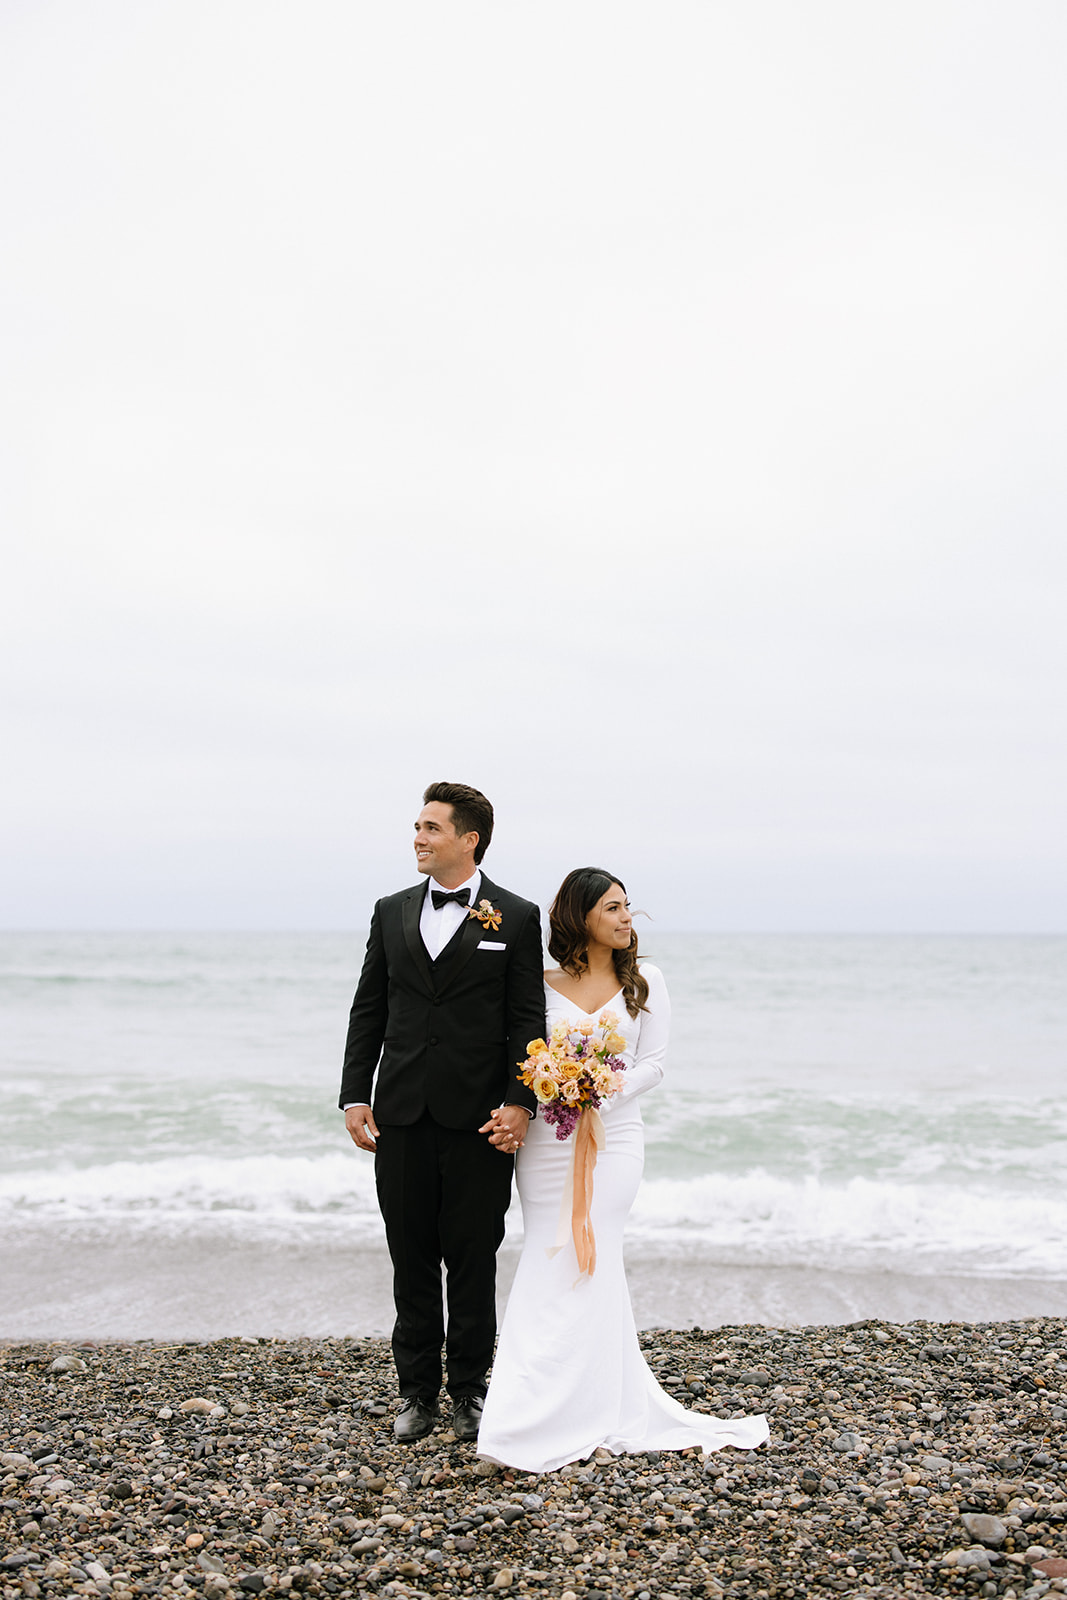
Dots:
pixel 569 1375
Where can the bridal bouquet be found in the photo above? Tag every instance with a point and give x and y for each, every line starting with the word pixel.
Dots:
pixel 572 1074
pixel 578 1068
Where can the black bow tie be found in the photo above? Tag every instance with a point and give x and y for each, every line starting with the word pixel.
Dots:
pixel 441 898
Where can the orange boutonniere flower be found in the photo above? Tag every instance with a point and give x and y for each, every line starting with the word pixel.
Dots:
pixel 488 917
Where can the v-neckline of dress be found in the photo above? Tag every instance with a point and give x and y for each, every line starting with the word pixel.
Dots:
pixel 575 1004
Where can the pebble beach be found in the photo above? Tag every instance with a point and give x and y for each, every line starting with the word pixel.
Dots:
pixel 905 1459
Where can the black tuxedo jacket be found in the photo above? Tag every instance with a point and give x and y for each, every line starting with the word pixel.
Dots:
pixel 445 1036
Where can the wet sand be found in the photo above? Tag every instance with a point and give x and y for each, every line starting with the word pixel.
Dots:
pixel 89 1285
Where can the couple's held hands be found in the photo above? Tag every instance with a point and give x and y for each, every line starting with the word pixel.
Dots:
pixel 359 1120
pixel 507 1128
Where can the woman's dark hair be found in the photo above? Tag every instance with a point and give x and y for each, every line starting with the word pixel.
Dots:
pixel 471 811
pixel 568 936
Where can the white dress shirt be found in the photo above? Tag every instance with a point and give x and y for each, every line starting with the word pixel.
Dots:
pixel 437 927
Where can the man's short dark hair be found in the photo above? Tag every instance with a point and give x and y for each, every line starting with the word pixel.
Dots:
pixel 471 811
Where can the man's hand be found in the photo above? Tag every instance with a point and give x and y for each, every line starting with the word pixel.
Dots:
pixel 507 1128
pixel 359 1120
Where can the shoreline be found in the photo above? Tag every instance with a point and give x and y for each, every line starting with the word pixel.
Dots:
pixel 85 1284
pixel 281 1476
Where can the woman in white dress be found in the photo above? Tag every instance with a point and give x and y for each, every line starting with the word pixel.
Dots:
pixel 569 1375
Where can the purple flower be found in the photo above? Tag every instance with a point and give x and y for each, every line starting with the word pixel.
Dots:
pixel 563 1118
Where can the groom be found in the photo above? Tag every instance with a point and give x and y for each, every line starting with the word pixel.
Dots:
pixel 450 994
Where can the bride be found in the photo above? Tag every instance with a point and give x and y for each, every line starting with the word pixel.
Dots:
pixel 569 1375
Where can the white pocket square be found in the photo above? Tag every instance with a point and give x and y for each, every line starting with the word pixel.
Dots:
pixel 490 944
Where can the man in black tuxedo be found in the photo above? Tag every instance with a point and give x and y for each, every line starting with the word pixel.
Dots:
pixel 450 995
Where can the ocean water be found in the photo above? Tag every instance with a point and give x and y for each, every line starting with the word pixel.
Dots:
pixel 848 1126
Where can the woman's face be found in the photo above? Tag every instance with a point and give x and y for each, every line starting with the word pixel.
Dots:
pixel 610 923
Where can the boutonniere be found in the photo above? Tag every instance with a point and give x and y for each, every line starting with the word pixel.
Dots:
pixel 488 917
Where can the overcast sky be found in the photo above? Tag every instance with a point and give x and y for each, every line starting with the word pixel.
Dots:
pixel 652 414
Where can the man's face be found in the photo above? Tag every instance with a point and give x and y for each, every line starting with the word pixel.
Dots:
pixel 440 851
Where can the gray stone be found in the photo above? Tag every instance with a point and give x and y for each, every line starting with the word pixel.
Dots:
pixel 68 1364
pixel 848 1442
pixel 976 1556
pixel 936 1464
pixel 986 1529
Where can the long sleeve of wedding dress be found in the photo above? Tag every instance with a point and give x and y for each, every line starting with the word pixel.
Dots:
pixel 645 1070
pixel 569 1375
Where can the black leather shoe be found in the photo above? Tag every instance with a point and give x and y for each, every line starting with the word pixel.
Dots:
pixel 414 1420
pixel 466 1415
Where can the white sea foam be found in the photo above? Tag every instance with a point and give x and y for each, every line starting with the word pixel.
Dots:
pixel 759 1219
pixel 194 1193
pixel 756 1219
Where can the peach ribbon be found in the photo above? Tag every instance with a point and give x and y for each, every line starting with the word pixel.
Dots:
pixel 578 1193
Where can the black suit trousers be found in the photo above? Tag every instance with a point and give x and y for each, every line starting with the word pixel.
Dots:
pixel 443 1193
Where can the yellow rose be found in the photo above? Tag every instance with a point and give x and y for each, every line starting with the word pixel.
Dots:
pixel 543 1087
pixel 536 1047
